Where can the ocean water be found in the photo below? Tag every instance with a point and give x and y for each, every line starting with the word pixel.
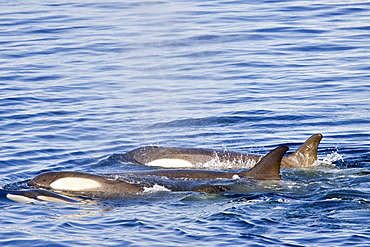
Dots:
pixel 82 81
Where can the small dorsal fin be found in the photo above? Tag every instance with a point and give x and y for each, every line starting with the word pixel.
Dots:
pixel 268 168
pixel 305 155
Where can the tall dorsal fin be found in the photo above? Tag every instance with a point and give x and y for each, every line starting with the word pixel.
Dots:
pixel 268 168
pixel 305 155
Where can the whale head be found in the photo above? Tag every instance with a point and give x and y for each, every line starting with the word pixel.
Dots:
pixel 66 181
pixel 82 182
pixel 32 196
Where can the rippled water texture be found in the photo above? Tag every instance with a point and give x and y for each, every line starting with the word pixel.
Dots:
pixel 81 81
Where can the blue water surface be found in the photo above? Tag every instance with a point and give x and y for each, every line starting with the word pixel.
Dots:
pixel 81 81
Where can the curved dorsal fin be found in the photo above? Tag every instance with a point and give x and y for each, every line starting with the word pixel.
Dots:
pixel 268 168
pixel 305 155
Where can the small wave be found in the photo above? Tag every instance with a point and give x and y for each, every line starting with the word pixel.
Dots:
pixel 155 188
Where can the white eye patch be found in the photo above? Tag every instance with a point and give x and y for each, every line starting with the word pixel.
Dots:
pixel 74 184
pixel 51 199
pixel 175 163
pixel 25 199
pixel 19 198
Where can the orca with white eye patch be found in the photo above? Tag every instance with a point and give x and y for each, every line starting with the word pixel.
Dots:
pixel 268 168
pixel 173 157
pixel 35 195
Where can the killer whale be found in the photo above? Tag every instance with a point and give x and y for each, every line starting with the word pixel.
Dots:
pixel 268 168
pixel 33 195
pixel 304 156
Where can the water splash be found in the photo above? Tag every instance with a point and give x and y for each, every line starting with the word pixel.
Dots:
pixel 155 188
pixel 334 156
pixel 221 164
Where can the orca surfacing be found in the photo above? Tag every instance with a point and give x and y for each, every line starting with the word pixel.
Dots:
pixel 34 195
pixel 268 168
pixel 304 156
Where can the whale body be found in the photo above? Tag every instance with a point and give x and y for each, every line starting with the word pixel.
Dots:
pixel 35 195
pixel 268 168
pixel 304 156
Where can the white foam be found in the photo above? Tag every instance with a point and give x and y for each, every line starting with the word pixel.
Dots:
pixel 217 164
pixel 329 159
pixel 74 184
pixel 170 163
pixel 155 188
pixel 333 157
